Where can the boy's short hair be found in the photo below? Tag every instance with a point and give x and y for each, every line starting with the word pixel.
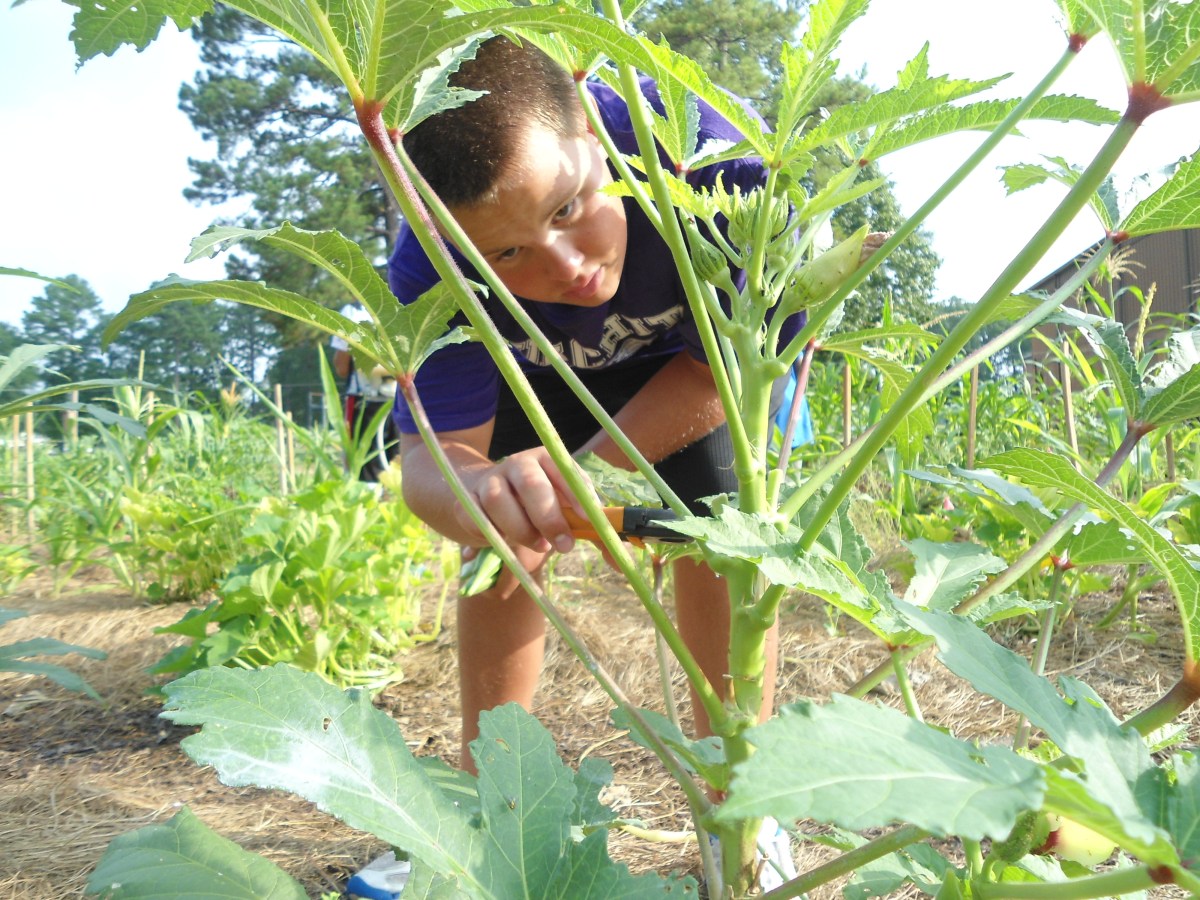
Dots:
pixel 463 152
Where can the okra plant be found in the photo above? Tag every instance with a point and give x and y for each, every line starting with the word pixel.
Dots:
pixel 530 827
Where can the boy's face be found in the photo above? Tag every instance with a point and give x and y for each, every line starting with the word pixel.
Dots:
pixel 548 232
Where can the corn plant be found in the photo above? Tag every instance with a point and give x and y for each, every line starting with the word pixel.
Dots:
pixel 530 827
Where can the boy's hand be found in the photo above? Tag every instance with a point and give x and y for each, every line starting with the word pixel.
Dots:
pixel 523 495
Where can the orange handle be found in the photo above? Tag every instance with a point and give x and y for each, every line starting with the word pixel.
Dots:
pixel 582 528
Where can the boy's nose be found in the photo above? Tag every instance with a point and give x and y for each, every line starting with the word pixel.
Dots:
pixel 563 260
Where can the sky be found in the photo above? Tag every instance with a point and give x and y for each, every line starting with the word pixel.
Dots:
pixel 94 163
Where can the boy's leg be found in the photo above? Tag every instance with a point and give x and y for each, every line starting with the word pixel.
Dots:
pixel 501 639
pixel 702 616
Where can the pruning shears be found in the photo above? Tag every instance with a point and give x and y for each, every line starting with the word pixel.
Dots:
pixel 635 524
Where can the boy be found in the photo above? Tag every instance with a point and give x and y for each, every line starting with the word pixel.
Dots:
pixel 523 175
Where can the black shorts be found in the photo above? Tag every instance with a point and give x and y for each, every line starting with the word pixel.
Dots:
pixel 701 469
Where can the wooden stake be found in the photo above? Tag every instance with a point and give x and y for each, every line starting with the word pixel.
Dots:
pixel 847 382
pixel 71 421
pixel 30 521
pixel 281 441
pixel 972 417
pixel 1069 405
pixel 14 447
pixel 291 451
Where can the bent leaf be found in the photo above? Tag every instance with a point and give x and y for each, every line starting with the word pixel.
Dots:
pixel 1117 768
pixel 926 778
pixel 1046 470
pixel 185 858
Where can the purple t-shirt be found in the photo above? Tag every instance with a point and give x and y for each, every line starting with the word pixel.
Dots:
pixel 647 316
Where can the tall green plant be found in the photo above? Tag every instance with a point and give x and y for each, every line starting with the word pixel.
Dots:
pixel 774 535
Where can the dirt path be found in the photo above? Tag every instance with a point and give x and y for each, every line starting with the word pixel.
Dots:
pixel 74 774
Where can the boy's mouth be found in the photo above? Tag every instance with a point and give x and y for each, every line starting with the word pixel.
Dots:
pixel 588 289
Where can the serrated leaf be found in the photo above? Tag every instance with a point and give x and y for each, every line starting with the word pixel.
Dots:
pixel 946 573
pixel 1103 201
pixel 1174 206
pixel 807 66
pixel 1107 337
pixel 926 777
pixel 103 28
pixel 1050 471
pixel 184 858
pixel 887 107
pixel 678 130
pixel 1153 40
pixel 1098 543
pixel 984 116
pixel 1174 391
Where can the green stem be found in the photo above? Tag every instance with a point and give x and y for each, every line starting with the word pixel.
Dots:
pixel 1107 884
pixel 660 649
pixel 1077 197
pixel 1168 707
pixel 1045 631
pixel 973 852
pixel 1011 334
pixel 848 862
pixel 1037 551
pixel 900 668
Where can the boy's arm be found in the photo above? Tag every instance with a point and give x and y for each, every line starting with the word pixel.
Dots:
pixel 676 407
pixel 522 494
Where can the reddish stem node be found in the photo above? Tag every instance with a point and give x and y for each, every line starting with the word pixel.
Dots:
pixel 1161 875
pixel 1144 99
pixel 1117 237
pixel 1075 42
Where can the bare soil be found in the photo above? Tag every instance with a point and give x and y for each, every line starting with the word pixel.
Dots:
pixel 74 774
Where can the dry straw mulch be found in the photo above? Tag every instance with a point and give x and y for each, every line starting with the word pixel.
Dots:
pixel 75 774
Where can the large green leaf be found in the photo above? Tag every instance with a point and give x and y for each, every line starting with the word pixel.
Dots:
pixel 184 858
pixel 527 796
pixel 1155 40
pixel 286 729
pixel 1046 470
pixel 1116 764
pixel 1175 205
pixel 509 835
pixel 858 766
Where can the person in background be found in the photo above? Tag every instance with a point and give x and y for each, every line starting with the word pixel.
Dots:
pixel 364 396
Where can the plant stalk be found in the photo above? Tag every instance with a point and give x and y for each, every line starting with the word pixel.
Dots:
pixel 1077 197
pixel 848 862
pixel 1107 884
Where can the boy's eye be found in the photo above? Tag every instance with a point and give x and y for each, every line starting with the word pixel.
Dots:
pixel 505 255
pixel 565 211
